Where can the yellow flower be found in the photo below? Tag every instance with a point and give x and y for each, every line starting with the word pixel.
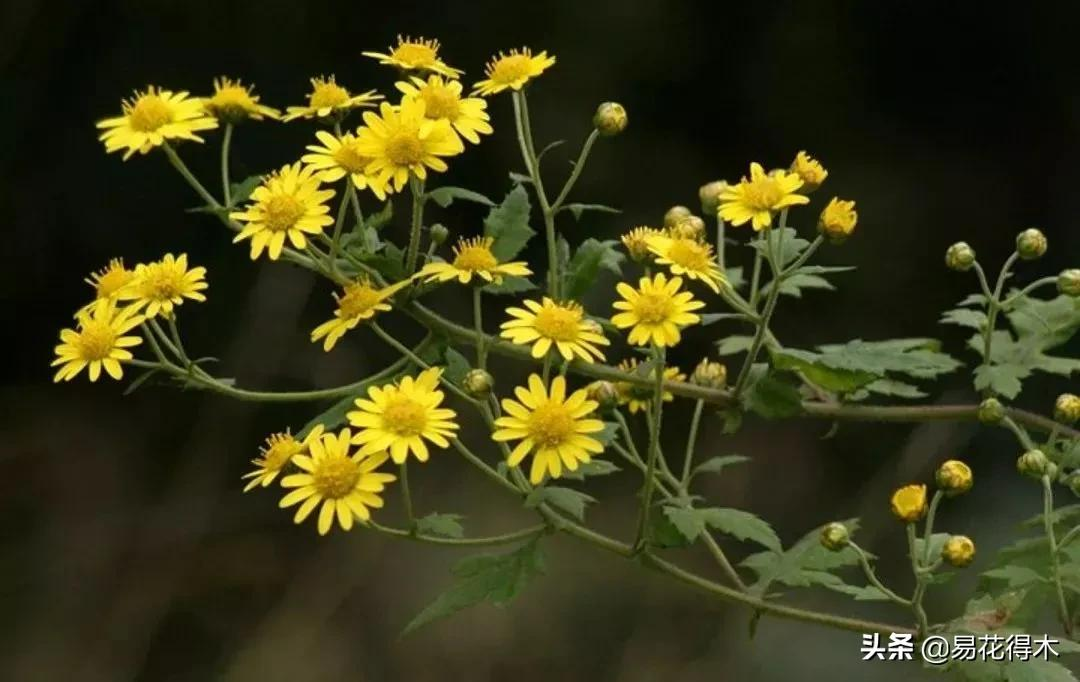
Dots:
pixel 838 219
pixel 754 199
pixel 810 170
pixel 289 203
pixel 279 450
pixel 417 54
pixel 958 551
pixel 551 426
pixel 399 417
pixel 98 342
pixel 164 284
pixel 512 71
pixel 909 503
pixel 109 282
pixel 688 257
pixel 954 477
pixel 562 325
pixel 347 485
pixel 152 117
pixel 473 257
pixel 655 311
pixel 358 301
pixel 327 97
pixel 401 142
pixel 234 102
pixel 636 241
pixel 638 397
pixel 443 102
pixel 340 156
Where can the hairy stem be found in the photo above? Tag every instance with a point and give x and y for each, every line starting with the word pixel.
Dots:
pixel 656 410
pixel 226 183
pixel 691 441
pixel 416 186
pixel 1055 562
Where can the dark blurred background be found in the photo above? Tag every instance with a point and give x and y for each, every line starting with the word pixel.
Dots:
pixel 128 551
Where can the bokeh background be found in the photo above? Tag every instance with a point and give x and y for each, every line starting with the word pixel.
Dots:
pixel 127 551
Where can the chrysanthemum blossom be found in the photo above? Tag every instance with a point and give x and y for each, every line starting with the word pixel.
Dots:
pixel 338 157
pixel 234 102
pixel 162 285
pixel 655 311
pixel 276 454
pixel 473 258
pixel 688 257
pixel 98 342
pixel 563 326
pixel 358 301
pixel 443 101
pixel 415 54
pixel 402 143
pixel 109 281
pixel 327 97
pixel 638 397
pixel 512 70
pixel 290 203
pixel 754 200
pixel 151 118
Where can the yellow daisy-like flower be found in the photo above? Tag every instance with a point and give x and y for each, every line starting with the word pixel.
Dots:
pixel 97 342
pixel 909 503
pixel 279 450
pixel 399 417
pixel 688 257
pixel 810 170
pixel 164 284
pixel 109 282
pixel 563 325
pixel 346 484
pixel 357 302
pixel 327 97
pixel 443 102
pixel 289 203
pixel 402 142
pixel 636 241
pixel 550 425
pixel 512 70
pixel 415 54
pixel 152 117
pixel 473 257
pixel 838 220
pixel 340 156
pixel 234 102
pixel 754 199
pixel 655 311
pixel 637 397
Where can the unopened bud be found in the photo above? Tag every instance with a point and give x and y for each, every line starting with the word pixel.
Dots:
pixel 909 503
pixel 439 233
pixel 958 551
pixel 954 477
pixel 1074 483
pixel 709 374
pixel 810 171
pixel 675 215
pixel 692 227
pixel 1031 244
pixel 1067 408
pixel 610 119
pixel 1035 464
pixel 636 242
pixel 835 536
pixel 1068 282
pixel 478 383
pixel 991 411
pixel 604 393
pixel 960 257
pixel 709 193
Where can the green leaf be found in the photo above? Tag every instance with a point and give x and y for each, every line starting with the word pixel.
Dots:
pixel 390 262
pixel 457 366
pixel 379 220
pixel 805 563
pixel 861 593
pixel 1014 576
pixel 818 372
pixel 1001 379
pixel 1060 515
pixel 508 225
pixel 444 196
pixel 611 429
pixel 565 499
pixel 715 465
pixel 589 259
pixel 442 525
pixel 735 522
pixel 332 416
pixel 511 284
pixel 594 467
pixel 710 318
pixel 663 533
pixel 732 345
pixel 793 245
pixel 495 579
pixel 770 396
pixel 520 179
pixel 578 209
pixel 805 277
pixel 735 277
pixel 977 671
pixel 937 542
pixel 1037 670
pixel 240 191
pixel 919 358
pixel 964 317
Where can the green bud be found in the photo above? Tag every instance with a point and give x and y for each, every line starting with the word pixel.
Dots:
pixel 478 383
pixel 439 233
pixel 991 411
pixel 610 119
pixel 675 215
pixel 710 196
pixel 1068 282
pixel 954 477
pixel 1034 463
pixel 835 536
pixel 1074 483
pixel 604 393
pixel 709 374
pixel 960 257
pixel 1067 408
pixel 1031 244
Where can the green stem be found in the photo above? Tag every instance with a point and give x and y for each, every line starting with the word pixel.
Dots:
pixel 226 184
pixel 763 324
pixel 1018 431
pixel 871 576
pixel 920 584
pixel 1027 290
pixel 804 256
pixel 182 168
pixel 755 278
pixel 532 165
pixel 656 410
pixel 928 529
pixel 691 441
pixel 339 224
pixel 486 541
pixel 993 305
pixel 418 361
pixel 1055 562
pixel 483 466
pixel 478 320
pixel 416 186
pixel 721 243
pixel 579 165
pixel 406 495
pixel 175 334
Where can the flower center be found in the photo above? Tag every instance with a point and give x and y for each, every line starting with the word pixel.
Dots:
pixel 510 68
pixel 689 254
pixel 282 212
pixel 281 450
pixel 96 340
pixel 414 54
pixel 232 96
pixel 763 194
pixel 404 148
pixel 349 158
pixel 328 95
pixel 149 113
pixel 162 282
pixel 404 416
pixel 473 258
pixel 558 323
pixel 358 299
pixel 440 102
pixel 550 425
pixel 335 477
pixel 653 308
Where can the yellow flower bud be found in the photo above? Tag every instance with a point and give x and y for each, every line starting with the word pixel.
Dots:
pixel 1068 282
pixel 958 551
pixel 605 393
pixel 1031 244
pixel 991 411
pixel 960 257
pixel 709 193
pixel 1035 464
pixel 610 119
pixel 838 220
pixel 709 374
pixel 690 227
pixel 675 215
pixel 1067 408
pixel 954 477
pixel 835 536
pixel 478 383
pixel 810 170
pixel 636 242
pixel 909 503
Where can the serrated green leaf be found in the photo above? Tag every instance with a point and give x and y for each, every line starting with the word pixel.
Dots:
pixel 444 196
pixel 511 284
pixel 495 579
pixel 457 366
pixel 964 317
pixel 571 501
pixel 589 259
pixel 1003 380
pixel 594 467
pixel 578 209
pixel 793 245
pixel 815 369
pixel 442 525
pixel 1062 514
pixel 508 225
pixel 1037 670
pixel 663 533
pixel 240 191
pixel 732 345
pixel 390 262
pixel 1014 576
pixel 892 387
pixel 710 318
pixel 735 277
pixel 520 178
pixel 860 592
pixel 919 358
pixel 735 522
pixel 805 563
pixel 770 396
pixel 715 465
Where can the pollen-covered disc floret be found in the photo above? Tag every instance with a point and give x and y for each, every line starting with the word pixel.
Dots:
pixel 400 417
pixel 402 143
pixel 162 285
pixel 98 342
pixel 151 118
pixel 636 241
pixel 552 426
pixel 754 200
pixel 234 102
pixel 545 324
pixel 443 101
pixel 655 311
pixel 688 257
pixel 473 257
pixel 357 302
pixel 109 281
pixel 638 397
pixel 512 70
pixel 327 97
pixel 275 455
pixel 415 54
pixel 290 203
pixel 338 157
pixel 344 483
